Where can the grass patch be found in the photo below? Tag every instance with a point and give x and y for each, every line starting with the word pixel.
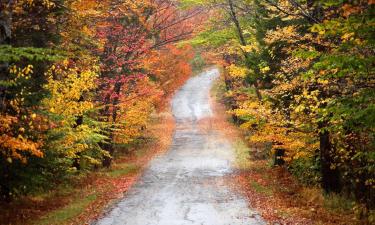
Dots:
pixel 260 188
pixel 123 169
pixel 337 203
pixel 218 89
pixel 242 153
pixel 64 189
pixel 63 215
pixel 198 63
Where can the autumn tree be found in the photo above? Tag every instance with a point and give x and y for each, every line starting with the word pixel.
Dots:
pixel 81 79
pixel 23 61
pixel 312 63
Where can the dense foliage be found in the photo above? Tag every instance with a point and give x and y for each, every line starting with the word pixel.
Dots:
pixel 79 81
pixel 300 76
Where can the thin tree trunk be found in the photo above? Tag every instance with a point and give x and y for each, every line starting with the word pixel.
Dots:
pixel 116 101
pixel 107 161
pixel 257 92
pixel 107 146
pixel 79 122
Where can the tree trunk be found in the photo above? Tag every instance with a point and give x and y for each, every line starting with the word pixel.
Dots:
pixel 5 38
pixel 257 92
pixel 79 122
pixel 5 22
pixel 330 176
pixel 107 161
pixel 116 101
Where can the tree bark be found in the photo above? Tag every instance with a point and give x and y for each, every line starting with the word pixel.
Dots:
pixel 107 161
pixel 5 38
pixel 5 22
pixel 116 101
pixel 330 176
pixel 79 122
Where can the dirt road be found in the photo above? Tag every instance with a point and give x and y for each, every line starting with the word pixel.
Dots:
pixel 187 184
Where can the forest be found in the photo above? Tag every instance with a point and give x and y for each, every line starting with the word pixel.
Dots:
pixel 80 81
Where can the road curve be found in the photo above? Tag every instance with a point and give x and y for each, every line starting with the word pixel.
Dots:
pixel 186 186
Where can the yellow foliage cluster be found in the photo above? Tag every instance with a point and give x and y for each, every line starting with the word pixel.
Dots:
pixel 268 126
pixel 135 110
pixel 250 48
pixel 46 3
pixel 265 69
pixel 135 121
pixel 237 71
pixel 296 144
pixel 287 33
pixel 77 141
pixel 68 89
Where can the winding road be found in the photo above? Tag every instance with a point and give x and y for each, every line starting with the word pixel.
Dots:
pixel 187 185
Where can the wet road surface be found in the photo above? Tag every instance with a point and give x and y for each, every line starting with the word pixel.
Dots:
pixel 186 186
